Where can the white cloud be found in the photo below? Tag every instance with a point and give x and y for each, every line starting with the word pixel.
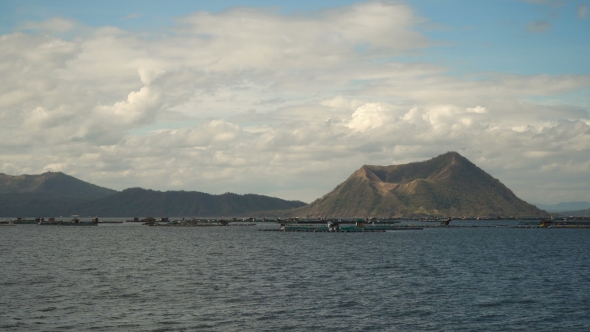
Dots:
pixel 139 108
pixel 55 24
pixel 541 26
pixel 477 109
pixel 249 100
pixel 56 167
pixel 340 102
pixel 582 11
pixel 547 2
pixel 368 116
pixel 132 16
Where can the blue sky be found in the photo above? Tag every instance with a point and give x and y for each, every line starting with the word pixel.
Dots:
pixel 476 36
pixel 289 98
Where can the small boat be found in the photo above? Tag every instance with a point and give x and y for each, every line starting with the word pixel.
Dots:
pixel 446 222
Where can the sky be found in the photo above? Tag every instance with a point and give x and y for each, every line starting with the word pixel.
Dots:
pixel 288 98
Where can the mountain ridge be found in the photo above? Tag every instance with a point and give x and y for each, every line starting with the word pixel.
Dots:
pixel 565 206
pixel 56 193
pixel 574 213
pixel 446 185
pixel 56 183
pixel 147 202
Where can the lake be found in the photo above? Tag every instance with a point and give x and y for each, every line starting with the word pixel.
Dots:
pixel 139 278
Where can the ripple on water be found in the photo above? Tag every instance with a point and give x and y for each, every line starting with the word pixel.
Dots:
pixel 239 279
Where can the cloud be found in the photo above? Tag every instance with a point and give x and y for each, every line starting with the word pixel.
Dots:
pixel 295 154
pixel 174 111
pixel 477 109
pixel 541 26
pixel 139 108
pixel 368 116
pixel 132 16
pixel 555 3
pixel 582 11
pixel 56 24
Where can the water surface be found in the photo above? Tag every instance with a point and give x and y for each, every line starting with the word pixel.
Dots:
pixel 117 278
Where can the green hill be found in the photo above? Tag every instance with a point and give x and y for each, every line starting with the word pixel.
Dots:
pixel 448 185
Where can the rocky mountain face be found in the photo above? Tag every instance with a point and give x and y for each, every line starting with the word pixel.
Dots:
pixel 448 185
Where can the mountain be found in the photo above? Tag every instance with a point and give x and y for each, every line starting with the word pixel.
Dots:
pixel 141 202
pixel 47 194
pixel 57 194
pixel 55 183
pixel 564 206
pixel 448 185
pixel 576 213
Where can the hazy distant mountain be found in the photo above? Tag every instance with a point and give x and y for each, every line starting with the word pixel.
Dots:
pixel 576 213
pixel 564 206
pixel 141 202
pixel 448 185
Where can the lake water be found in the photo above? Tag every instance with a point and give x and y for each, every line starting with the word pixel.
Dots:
pixel 138 278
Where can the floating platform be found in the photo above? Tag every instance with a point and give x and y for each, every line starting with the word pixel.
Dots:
pixel 552 226
pixel 189 224
pixel 342 230
pixel 548 223
pixel 67 223
pixel 314 230
pixel 25 222
pixel 464 226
